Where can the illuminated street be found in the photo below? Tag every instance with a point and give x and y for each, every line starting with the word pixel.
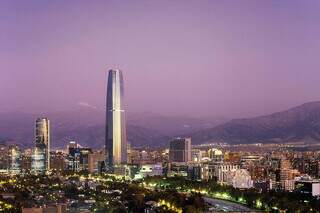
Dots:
pixel 223 205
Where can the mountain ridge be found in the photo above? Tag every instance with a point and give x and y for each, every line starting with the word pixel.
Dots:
pixel 300 123
pixel 87 127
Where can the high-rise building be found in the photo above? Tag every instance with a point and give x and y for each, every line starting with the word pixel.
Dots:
pixel 180 150
pixel 38 164
pixel 78 159
pixel 58 161
pixel 26 160
pixel 95 162
pixel 14 159
pixel 42 142
pixel 116 139
pixel 4 164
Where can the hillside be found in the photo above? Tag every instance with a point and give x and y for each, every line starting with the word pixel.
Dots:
pixel 300 123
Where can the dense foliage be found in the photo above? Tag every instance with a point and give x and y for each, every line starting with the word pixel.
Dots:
pixel 270 201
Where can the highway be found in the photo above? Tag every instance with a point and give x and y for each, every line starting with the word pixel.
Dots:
pixel 223 205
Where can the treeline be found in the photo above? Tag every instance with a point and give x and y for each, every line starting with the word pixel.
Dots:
pixel 268 201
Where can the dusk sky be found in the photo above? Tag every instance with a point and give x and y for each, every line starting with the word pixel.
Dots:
pixel 196 58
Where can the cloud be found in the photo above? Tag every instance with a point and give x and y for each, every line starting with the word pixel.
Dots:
pixel 84 104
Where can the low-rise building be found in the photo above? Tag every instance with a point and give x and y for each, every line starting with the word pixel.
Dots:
pixel 149 170
pixel 307 185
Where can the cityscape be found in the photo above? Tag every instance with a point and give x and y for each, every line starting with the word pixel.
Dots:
pixel 266 161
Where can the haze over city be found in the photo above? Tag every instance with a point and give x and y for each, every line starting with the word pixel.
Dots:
pixel 214 58
pixel 185 106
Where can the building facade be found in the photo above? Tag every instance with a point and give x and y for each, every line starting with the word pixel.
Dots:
pixel 239 179
pixel 42 142
pixel 38 161
pixel 180 150
pixel 14 160
pixel 78 159
pixel 116 139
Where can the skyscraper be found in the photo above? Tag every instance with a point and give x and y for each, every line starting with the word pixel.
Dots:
pixel 14 159
pixel 41 156
pixel 116 138
pixel 180 150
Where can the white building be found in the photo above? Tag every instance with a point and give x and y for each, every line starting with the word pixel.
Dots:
pixel 221 170
pixel 197 155
pixel 307 185
pixel 215 155
pixel 239 179
pixel 149 170
pixel 211 170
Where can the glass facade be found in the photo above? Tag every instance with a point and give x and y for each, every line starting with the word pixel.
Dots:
pixel 180 150
pixel 14 159
pixel 116 141
pixel 78 159
pixel 42 142
pixel 38 164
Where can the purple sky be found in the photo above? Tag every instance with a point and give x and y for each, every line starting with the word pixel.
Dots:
pixel 196 58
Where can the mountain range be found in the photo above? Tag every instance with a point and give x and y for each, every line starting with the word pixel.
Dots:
pixel 298 124
pixel 87 126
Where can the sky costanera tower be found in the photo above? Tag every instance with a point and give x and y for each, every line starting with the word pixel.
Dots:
pixel 116 137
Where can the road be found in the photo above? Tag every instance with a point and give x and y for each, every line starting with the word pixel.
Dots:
pixel 223 205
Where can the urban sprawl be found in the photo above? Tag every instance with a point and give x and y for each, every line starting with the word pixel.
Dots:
pixel 178 178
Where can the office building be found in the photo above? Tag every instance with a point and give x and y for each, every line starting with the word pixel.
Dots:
pixel 38 161
pixel 58 161
pixel 221 170
pixel 239 178
pixel 42 142
pixel 149 170
pixel 116 139
pixel 215 155
pixel 78 159
pixel 14 160
pixel 95 162
pixel 26 160
pixel 4 159
pixel 180 150
pixel 308 186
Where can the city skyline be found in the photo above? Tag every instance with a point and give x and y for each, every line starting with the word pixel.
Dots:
pixel 222 98
pixel 241 58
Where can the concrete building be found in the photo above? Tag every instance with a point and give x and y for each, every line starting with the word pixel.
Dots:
pixel 220 171
pixel 307 185
pixel 78 159
pixel 59 208
pixel 149 170
pixel 215 155
pixel 95 162
pixel 239 179
pixel 180 150
pixel 207 171
pixel 4 159
pixel 58 161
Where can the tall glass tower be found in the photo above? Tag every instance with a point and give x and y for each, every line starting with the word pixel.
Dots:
pixel 116 138
pixel 14 159
pixel 41 158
